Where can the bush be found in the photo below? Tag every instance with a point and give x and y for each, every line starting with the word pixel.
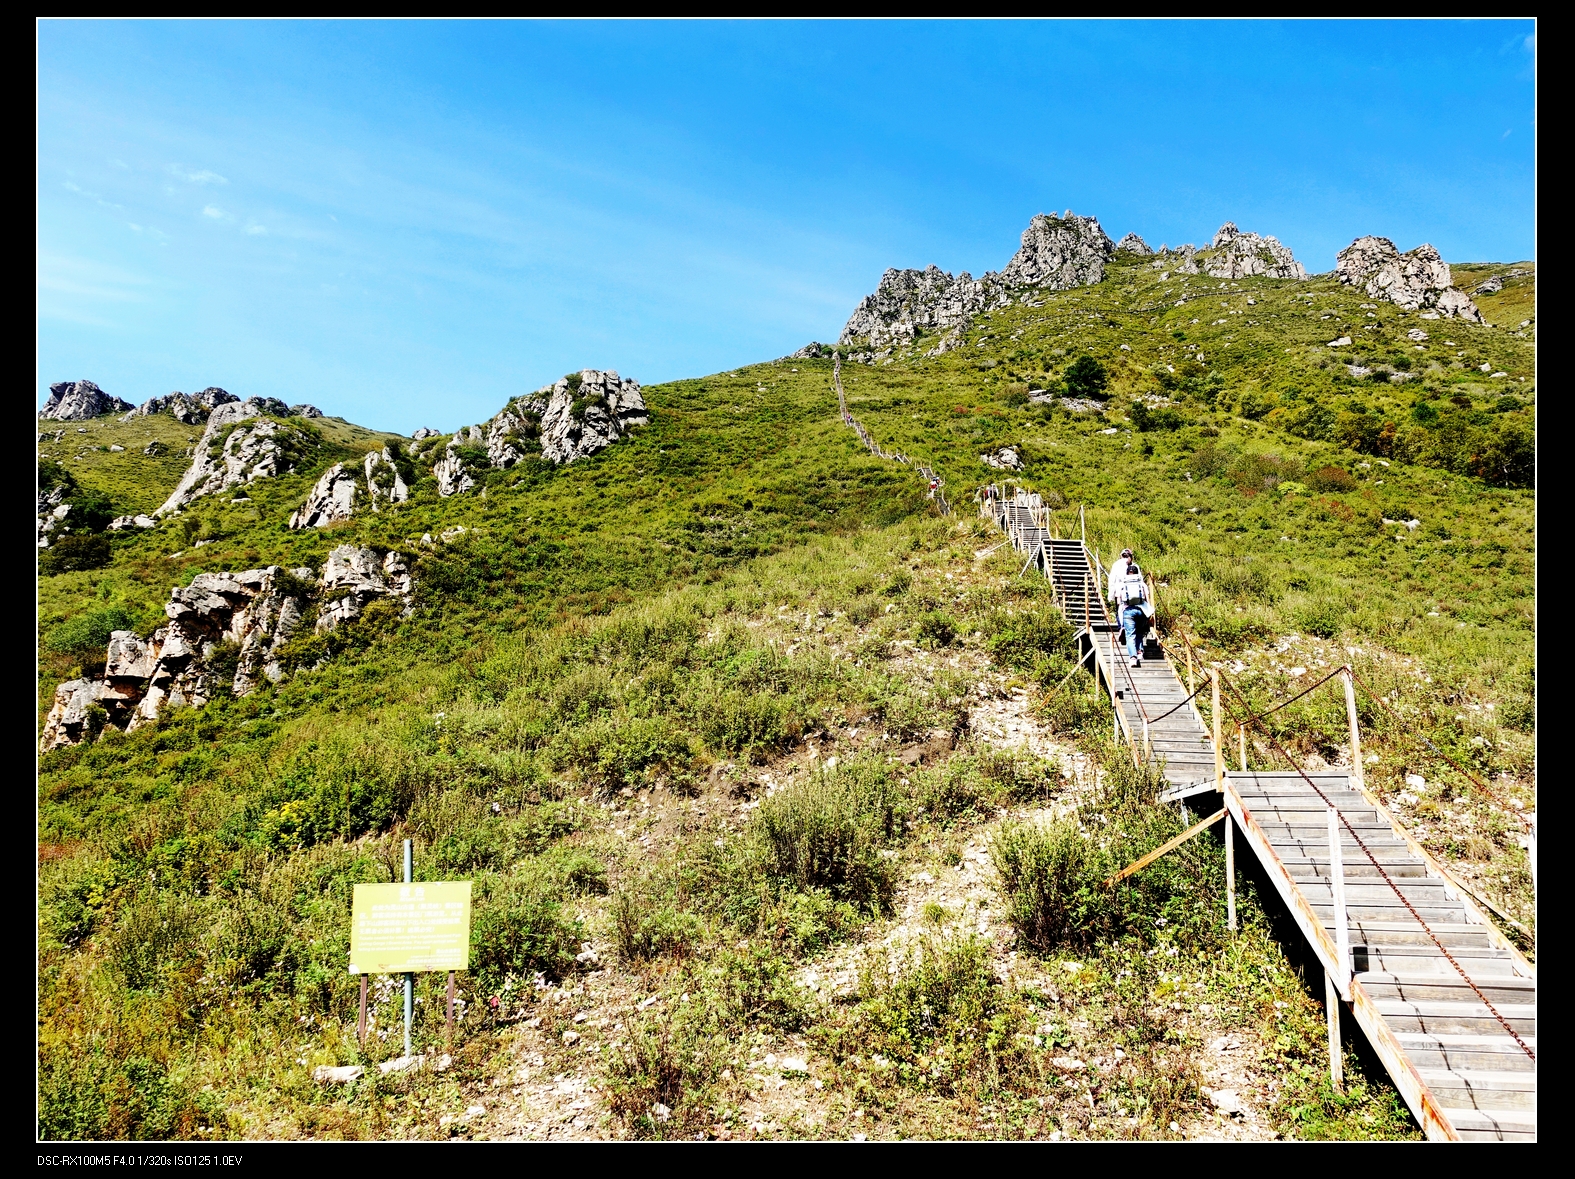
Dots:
pixel 87 634
pixel 828 833
pixel 1331 479
pixel 648 924
pixel 659 1079
pixel 75 552
pixel 1086 377
pixel 1024 642
pixel 518 929
pixel 937 629
pixel 1146 419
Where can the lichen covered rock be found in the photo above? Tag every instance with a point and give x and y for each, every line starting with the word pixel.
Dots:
pixel 237 446
pixel 332 499
pixel 1234 254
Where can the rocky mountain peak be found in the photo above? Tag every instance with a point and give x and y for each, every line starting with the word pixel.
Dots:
pixel 1060 253
pixel 1133 244
pixel 1234 254
pixel 230 454
pixel 77 401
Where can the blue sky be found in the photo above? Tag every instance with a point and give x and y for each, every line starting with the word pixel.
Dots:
pixel 407 223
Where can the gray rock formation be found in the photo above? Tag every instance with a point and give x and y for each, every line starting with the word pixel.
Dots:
pixel 384 483
pixel 332 499
pixel 452 476
pixel 123 523
pixel 231 453
pixel 305 411
pixel 1005 459
pixel 257 611
pixel 1418 280
pixel 192 409
pixel 77 401
pixel 353 578
pixel 908 302
pixel 579 421
pixel 1056 253
pixel 425 432
pixel 814 350
pixel 1234 254
pixel 1133 244
pixel 1059 253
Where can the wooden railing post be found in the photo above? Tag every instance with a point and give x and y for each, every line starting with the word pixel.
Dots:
pixel 1331 1000
pixel 1342 935
pixel 1219 746
pixel 1358 774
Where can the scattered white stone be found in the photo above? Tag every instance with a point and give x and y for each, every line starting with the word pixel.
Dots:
pixel 328 1074
pixel 1225 1100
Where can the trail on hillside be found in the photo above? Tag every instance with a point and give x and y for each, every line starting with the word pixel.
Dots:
pixel 937 484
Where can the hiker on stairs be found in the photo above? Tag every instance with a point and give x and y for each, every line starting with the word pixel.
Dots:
pixel 1118 570
pixel 1131 595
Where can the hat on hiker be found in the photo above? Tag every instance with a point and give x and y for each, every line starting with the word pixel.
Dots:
pixel 1126 552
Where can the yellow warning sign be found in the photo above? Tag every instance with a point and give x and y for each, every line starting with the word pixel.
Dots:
pixel 396 928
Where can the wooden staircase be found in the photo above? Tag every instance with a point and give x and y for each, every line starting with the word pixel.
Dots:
pixel 1444 998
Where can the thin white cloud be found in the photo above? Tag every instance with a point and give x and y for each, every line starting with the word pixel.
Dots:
pixel 213 211
pixel 257 230
pixel 1510 131
pixel 70 187
pixel 198 177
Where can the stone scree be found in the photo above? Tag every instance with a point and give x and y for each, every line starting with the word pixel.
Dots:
pixel 259 610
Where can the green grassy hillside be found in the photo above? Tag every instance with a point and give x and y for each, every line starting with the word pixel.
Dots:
pixel 602 710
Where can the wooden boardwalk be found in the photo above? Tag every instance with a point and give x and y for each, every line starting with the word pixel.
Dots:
pixel 1445 1000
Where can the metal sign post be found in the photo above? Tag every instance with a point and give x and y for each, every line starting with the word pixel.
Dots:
pixel 410 978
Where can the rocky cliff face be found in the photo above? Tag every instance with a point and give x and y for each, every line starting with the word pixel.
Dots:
pixel 1056 253
pixel 335 494
pixel 1418 280
pixel 1234 254
pixel 224 635
pixel 231 453
pixel 77 401
pixel 1133 244
pixel 572 418
pixel 190 408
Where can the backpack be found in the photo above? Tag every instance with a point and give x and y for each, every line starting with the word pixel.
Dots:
pixel 1131 589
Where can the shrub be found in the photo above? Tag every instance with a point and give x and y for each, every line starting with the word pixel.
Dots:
pixel 828 833
pixel 648 924
pixel 937 629
pixel 1023 642
pixel 518 929
pixel 1146 419
pixel 1086 377
pixel 1331 479
pixel 74 552
pixel 660 1078
pixel 87 633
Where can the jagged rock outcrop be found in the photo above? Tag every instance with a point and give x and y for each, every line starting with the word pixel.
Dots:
pixel 332 499
pixel 122 523
pixel 1418 280
pixel 1059 253
pixel 353 578
pixel 908 302
pixel 77 401
pixel 453 478
pixel 384 482
pixel 232 453
pixel 1056 253
pixel 1133 244
pixel 581 417
pixel 305 411
pixel 189 408
pixel 219 622
pixel 1005 459
pixel 1234 254
pixel 426 432
pixel 814 350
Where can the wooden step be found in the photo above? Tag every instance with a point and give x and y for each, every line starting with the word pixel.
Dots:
pixel 1455 1016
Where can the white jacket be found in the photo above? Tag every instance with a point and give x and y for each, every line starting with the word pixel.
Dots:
pixel 1117 572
